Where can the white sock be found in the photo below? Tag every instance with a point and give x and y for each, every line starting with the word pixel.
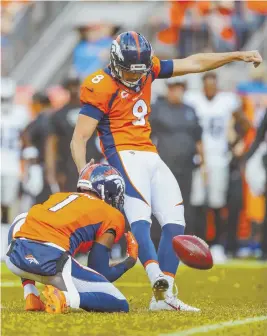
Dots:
pixel 30 289
pixel 153 271
pixel 170 280
pixel 67 297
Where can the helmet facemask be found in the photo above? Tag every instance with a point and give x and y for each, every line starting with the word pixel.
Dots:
pixel 113 193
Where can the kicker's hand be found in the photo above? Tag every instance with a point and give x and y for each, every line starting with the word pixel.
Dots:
pixel 132 246
pixel 252 57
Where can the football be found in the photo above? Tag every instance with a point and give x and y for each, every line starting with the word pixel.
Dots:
pixel 192 251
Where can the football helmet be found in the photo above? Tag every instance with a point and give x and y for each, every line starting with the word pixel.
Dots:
pixel 105 181
pixel 131 59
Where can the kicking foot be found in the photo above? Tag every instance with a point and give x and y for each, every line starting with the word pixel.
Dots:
pixel 171 303
pixel 34 303
pixel 55 300
pixel 160 287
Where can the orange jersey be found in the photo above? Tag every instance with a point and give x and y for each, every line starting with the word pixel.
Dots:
pixel 71 221
pixel 123 115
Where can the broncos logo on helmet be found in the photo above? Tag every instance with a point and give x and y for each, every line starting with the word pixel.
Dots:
pixel 105 181
pixel 131 59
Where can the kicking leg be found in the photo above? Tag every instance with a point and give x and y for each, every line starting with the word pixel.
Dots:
pixel 137 208
pixel 168 207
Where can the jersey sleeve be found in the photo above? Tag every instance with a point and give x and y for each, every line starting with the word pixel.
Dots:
pixel 95 96
pixel 115 221
pixel 161 68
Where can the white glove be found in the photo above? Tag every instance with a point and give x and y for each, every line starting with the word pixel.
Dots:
pixel 34 182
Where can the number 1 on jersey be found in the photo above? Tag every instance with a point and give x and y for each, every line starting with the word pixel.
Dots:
pixel 62 204
pixel 139 111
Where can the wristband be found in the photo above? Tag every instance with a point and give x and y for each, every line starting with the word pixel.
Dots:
pixel 129 262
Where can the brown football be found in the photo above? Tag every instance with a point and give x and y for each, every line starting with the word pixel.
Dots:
pixel 192 251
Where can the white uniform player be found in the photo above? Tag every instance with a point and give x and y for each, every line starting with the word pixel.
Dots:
pixel 215 116
pixel 14 119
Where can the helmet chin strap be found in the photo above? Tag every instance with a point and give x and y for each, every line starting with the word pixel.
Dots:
pixel 130 84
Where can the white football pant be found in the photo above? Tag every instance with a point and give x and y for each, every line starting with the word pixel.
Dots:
pixel 214 194
pixel 150 188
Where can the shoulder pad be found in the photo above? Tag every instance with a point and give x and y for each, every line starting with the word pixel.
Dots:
pixel 97 90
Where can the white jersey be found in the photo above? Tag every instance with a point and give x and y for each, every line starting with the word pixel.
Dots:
pixel 214 116
pixel 13 123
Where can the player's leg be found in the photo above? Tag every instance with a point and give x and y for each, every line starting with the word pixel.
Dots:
pixel 82 287
pixel 31 293
pixel 136 168
pixel 32 298
pixel 4 206
pixel 167 205
pixel 9 195
pixel 198 199
pixel 217 197
pixel 4 214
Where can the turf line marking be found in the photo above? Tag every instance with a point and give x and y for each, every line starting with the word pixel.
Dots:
pixel 221 325
pixel 121 284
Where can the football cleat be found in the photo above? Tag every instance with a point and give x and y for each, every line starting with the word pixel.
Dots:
pixel 34 303
pixel 160 287
pixel 55 300
pixel 171 303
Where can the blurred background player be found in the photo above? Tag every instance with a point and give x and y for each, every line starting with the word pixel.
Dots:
pixel 215 110
pixel 42 242
pixel 260 165
pixel 91 53
pixel 61 172
pixel 34 139
pixel 116 101
pixel 180 132
pixel 14 119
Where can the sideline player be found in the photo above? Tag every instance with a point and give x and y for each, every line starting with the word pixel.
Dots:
pixel 217 111
pixel 45 238
pixel 14 118
pixel 116 101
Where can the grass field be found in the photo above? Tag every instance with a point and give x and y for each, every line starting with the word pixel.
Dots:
pixel 233 292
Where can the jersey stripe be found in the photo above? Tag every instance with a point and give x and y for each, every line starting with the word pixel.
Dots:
pixel 116 162
pixel 113 97
pixel 91 111
pixel 106 136
pixel 83 234
pixel 136 38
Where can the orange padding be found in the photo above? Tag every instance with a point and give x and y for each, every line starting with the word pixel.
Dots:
pixel 169 274
pixel 150 262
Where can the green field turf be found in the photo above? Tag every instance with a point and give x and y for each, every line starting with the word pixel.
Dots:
pixel 226 293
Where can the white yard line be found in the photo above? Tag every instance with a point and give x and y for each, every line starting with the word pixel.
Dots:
pixel 122 284
pixel 220 325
